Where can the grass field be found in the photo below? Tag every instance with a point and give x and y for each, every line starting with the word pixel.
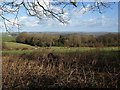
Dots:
pixel 11 47
pixel 14 46
pixel 18 48
pixel 27 67
pixel 8 39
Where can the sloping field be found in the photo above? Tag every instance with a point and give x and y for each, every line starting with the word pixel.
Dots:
pixel 14 46
pixel 8 39
pixel 18 48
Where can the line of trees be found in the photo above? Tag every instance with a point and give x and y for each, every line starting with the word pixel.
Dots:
pixel 69 40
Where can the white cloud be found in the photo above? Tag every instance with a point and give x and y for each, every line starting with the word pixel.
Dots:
pixel 24 21
pixel 0 12
pixel 23 18
pixel 1 24
pixel 94 22
pixel 28 21
pixel 85 9
pixel 107 21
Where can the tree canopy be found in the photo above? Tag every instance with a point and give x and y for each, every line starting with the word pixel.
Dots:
pixel 46 9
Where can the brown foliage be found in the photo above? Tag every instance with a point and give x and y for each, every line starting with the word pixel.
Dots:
pixel 90 69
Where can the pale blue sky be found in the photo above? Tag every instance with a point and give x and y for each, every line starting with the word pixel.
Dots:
pixel 88 22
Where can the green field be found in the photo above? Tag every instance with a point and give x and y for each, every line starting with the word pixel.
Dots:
pixel 18 48
pixel 8 39
pixel 83 49
pixel 14 45
pixel 11 47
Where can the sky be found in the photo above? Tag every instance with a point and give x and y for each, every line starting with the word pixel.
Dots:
pixel 91 21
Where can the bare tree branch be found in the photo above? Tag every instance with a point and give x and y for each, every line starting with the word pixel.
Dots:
pixel 41 10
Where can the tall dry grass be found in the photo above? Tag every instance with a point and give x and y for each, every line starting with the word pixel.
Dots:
pixel 78 70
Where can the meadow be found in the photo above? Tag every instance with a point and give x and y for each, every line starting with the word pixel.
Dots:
pixel 27 67
pixel 18 48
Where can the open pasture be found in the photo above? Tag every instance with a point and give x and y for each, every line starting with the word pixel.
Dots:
pixel 18 48
pixel 8 39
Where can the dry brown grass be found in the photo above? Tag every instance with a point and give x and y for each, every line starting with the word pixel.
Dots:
pixel 72 71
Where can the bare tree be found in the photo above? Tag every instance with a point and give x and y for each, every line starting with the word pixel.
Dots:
pixel 45 9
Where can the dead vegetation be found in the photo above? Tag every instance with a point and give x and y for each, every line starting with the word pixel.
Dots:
pixel 90 69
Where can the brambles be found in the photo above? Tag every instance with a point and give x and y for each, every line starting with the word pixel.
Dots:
pixel 73 70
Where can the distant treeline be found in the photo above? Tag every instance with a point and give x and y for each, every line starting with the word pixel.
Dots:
pixel 69 40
